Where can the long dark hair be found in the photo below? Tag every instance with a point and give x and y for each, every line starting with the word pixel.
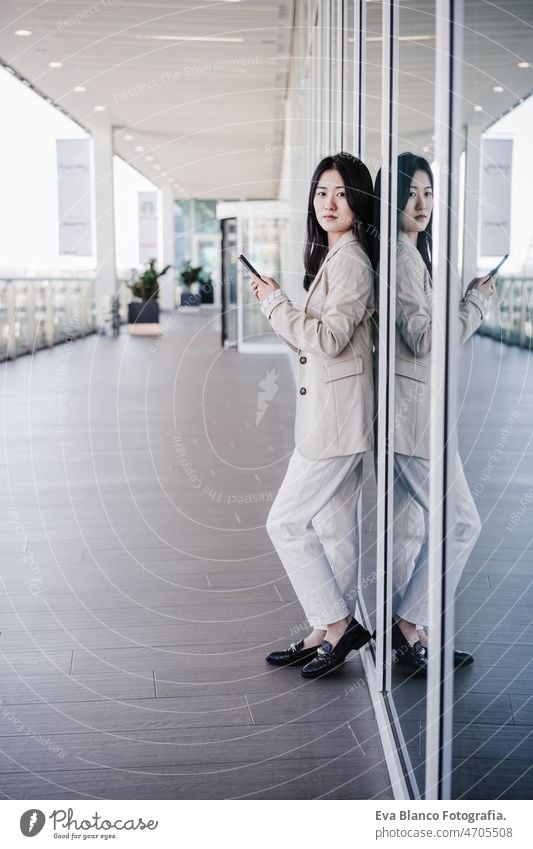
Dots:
pixel 359 195
pixel 408 165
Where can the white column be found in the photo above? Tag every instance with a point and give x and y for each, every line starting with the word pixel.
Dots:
pixel 167 297
pixel 471 201
pixel 104 213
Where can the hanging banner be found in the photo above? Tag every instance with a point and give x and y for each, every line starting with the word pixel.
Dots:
pixel 74 197
pixel 147 226
pixel 495 203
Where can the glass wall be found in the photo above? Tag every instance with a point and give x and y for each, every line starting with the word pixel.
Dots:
pixel 257 229
pixel 197 238
pixel 380 79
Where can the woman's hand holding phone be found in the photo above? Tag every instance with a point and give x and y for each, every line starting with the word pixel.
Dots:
pixel 262 287
pixel 484 285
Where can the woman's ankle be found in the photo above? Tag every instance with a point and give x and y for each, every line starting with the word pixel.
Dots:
pixel 408 629
pixel 315 638
pixel 337 629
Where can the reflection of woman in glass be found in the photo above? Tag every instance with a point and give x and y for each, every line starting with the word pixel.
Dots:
pixel 413 413
pixel 312 521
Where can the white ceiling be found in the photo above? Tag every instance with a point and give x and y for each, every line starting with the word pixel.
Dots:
pixel 207 111
pixel 203 110
pixel 496 37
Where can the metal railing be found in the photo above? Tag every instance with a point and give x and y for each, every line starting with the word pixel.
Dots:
pixel 41 312
pixel 510 317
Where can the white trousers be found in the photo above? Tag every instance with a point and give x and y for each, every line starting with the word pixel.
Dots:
pixel 411 511
pixel 312 525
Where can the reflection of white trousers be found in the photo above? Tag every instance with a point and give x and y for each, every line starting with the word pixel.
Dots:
pixel 411 511
pixel 312 525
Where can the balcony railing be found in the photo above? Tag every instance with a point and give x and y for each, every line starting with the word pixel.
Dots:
pixel 510 317
pixel 41 312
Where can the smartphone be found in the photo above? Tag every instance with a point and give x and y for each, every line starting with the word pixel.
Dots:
pixel 497 268
pixel 248 265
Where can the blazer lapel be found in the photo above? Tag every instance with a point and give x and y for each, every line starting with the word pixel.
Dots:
pixel 343 240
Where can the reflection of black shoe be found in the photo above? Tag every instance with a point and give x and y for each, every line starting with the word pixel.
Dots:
pixel 329 657
pixel 462 658
pixel 294 654
pixel 414 655
pixel 399 643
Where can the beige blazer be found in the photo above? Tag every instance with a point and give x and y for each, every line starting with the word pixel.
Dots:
pixel 333 341
pixel 413 348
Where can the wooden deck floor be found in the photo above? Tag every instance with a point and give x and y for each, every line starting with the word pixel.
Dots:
pixel 139 593
pixel 138 590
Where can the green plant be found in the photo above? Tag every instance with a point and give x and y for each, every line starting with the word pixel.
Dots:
pixel 146 286
pixel 193 274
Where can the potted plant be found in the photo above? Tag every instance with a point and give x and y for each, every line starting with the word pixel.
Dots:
pixel 207 293
pixel 145 289
pixel 195 275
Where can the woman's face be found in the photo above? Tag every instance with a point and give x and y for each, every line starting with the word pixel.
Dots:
pixel 416 213
pixel 330 204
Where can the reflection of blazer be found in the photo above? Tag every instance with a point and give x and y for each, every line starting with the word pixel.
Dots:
pixel 413 347
pixel 333 340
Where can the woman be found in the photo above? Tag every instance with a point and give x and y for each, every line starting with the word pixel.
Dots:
pixel 413 415
pixel 312 520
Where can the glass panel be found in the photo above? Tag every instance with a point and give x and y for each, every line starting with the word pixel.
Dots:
pixel 369 135
pixel 4 320
pixel 21 328
pixel 412 367
pixel 261 244
pixel 229 281
pixel 39 305
pixel 491 755
pixel 372 101
pixel 348 137
pixel 61 328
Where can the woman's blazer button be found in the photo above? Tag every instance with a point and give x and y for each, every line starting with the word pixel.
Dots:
pixel 303 360
pixel 303 390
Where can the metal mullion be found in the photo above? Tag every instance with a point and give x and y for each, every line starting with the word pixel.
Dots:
pixel 443 444
pixel 387 313
pixel 359 76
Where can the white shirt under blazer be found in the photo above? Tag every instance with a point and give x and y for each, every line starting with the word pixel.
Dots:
pixel 332 336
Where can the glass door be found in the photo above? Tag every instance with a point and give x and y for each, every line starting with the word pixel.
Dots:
pixel 229 282
pixel 261 241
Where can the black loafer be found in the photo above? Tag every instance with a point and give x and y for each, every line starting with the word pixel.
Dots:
pixel 415 656
pixel 329 657
pixel 296 653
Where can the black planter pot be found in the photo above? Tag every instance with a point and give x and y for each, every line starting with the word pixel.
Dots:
pixel 207 294
pixel 190 300
pixel 143 312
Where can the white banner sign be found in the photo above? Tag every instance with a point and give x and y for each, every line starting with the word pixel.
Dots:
pixel 74 197
pixel 147 226
pixel 495 204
